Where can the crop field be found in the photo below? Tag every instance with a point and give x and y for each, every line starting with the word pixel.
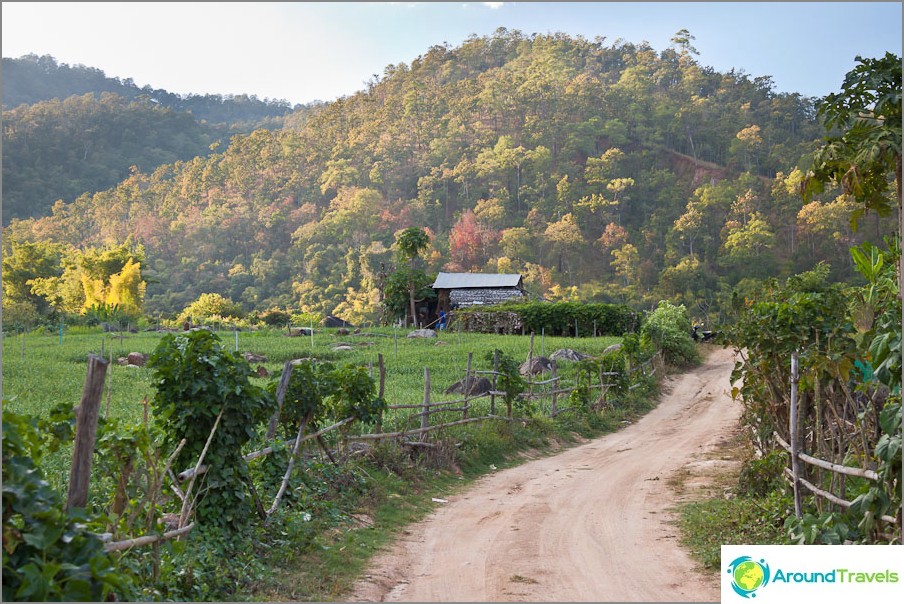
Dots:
pixel 42 369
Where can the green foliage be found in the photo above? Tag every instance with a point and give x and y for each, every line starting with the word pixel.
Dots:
pixel 411 242
pixel 271 218
pixel 761 476
pixel 561 318
pixel 48 554
pixel 275 317
pixel 585 371
pixel 828 528
pixel 860 158
pixel 354 395
pixel 209 308
pixel 310 384
pixel 884 496
pixel 319 390
pixel 396 293
pixel 668 328
pixel 509 379
pixel 196 380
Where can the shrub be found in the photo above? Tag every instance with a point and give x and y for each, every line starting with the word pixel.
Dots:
pixel 48 553
pixel 211 307
pixel 557 318
pixel 668 328
pixel 196 380
pixel 761 476
pixel 275 317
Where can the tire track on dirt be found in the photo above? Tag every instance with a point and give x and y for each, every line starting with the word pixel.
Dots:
pixel 592 523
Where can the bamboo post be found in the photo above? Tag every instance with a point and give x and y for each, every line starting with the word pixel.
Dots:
pixel 285 480
pixel 795 462
pixel 543 341
pixel 109 381
pixel 425 416
pixel 187 503
pixel 575 327
pixel 235 327
pixel 530 371
pixel 281 390
pixel 495 372
pixel 464 413
pixel 555 392
pixel 381 391
pixel 85 432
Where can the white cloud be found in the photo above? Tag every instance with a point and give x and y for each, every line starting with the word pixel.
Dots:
pixel 493 4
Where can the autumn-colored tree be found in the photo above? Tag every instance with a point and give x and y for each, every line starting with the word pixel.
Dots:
pixel 470 243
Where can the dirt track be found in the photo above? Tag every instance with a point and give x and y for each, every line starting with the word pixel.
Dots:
pixel 592 523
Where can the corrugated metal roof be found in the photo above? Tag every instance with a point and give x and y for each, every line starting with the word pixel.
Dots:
pixel 459 280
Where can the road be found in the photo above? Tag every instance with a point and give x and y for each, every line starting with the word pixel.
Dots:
pixel 591 523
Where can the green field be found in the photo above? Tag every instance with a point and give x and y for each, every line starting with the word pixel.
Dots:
pixel 41 370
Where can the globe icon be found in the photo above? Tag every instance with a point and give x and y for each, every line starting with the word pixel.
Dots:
pixel 748 575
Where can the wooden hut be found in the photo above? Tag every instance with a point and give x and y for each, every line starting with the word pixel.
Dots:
pixel 458 290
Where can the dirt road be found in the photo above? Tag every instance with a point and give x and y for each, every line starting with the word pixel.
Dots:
pixel 592 523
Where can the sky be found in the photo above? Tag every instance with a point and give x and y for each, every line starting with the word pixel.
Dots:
pixel 305 51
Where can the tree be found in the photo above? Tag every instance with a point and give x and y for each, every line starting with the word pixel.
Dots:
pixel 22 264
pixel 867 112
pixel 411 242
pixel 470 242
pixel 211 306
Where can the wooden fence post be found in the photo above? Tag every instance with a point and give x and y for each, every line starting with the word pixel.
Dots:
pixel 85 432
pixel 464 413
pixel 425 416
pixel 280 397
pixel 795 462
pixel 495 371
pixel 530 371
pixel 381 391
pixel 555 388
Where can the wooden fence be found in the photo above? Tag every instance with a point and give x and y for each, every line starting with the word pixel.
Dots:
pixel 407 426
pixel 793 474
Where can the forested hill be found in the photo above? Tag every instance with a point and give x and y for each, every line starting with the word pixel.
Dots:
pixel 31 79
pixel 70 130
pixel 607 172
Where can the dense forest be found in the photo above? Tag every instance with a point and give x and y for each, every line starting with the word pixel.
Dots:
pixel 31 79
pixel 601 172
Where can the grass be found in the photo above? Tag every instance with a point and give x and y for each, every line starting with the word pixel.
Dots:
pixel 715 514
pixel 39 371
pixel 317 545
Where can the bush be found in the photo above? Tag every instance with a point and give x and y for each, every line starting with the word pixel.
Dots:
pixel 196 380
pixel 48 553
pixel 209 308
pixel 759 477
pixel 275 318
pixel 668 328
pixel 555 319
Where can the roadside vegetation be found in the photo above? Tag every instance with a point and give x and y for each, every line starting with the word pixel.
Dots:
pixel 820 365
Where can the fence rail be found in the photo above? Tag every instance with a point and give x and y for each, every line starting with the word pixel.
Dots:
pixel 87 423
pixel 832 467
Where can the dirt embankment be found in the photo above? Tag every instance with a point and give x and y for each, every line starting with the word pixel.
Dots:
pixel 593 523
